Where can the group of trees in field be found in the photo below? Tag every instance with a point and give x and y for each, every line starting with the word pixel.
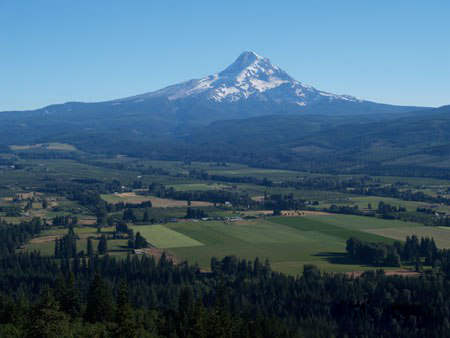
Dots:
pixel 413 251
pixel 137 242
pixel 195 213
pixel 133 216
pixel 283 202
pixel 387 209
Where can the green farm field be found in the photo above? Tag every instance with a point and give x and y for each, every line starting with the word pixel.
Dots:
pixel 164 238
pixel 288 242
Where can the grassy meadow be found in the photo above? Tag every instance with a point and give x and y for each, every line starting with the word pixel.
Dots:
pixel 288 242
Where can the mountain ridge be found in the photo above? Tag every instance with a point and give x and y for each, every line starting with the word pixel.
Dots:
pixel 250 86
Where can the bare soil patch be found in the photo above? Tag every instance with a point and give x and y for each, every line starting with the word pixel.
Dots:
pixel 316 213
pixel 87 221
pixel 258 198
pixel 126 194
pixel 400 272
pixel 167 203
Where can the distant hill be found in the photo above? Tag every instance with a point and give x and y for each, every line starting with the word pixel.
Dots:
pixel 420 139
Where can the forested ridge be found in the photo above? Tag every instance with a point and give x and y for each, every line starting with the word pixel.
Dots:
pixel 384 145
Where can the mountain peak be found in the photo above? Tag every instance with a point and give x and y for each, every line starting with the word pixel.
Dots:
pixel 248 56
pixel 244 60
pixel 253 77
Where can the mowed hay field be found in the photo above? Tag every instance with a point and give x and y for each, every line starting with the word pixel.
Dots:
pixel 164 238
pixel 288 242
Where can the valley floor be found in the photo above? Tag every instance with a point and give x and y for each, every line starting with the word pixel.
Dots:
pixel 317 236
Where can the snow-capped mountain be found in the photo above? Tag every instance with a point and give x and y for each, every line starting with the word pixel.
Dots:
pixel 253 77
pixel 250 87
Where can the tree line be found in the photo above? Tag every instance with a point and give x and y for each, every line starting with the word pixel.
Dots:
pixel 412 251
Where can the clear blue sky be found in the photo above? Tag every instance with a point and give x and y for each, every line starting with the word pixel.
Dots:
pixel 57 51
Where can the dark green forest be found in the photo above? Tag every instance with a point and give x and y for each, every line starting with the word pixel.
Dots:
pixel 86 295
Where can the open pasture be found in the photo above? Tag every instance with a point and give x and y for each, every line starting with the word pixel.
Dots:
pixel 288 242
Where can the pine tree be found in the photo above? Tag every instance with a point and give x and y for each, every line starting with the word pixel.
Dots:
pixel 102 245
pixel 126 324
pixel 100 307
pixel 57 248
pixel 71 303
pixel 146 216
pixel 140 241
pixel 90 248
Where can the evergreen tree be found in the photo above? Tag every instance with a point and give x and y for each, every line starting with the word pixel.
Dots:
pixel 90 248
pixel 57 252
pixel 46 319
pixel 126 324
pixel 128 215
pixel 102 247
pixel 100 307
pixel 146 216
pixel 140 242
pixel 71 302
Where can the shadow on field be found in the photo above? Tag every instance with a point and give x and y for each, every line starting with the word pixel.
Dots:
pixel 335 257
